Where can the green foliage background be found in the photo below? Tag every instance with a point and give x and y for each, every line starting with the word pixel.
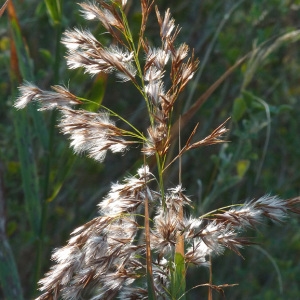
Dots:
pixel 263 155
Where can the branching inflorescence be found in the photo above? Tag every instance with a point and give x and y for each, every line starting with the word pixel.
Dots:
pixel 106 258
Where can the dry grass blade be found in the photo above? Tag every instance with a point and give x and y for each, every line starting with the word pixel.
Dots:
pixel 150 283
pixel 260 54
pixel 201 100
pixel 2 9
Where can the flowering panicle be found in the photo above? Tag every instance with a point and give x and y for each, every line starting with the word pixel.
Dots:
pixel 168 223
pixel 106 14
pixel 127 197
pixel 47 100
pixel 84 50
pixel 252 213
pixel 161 97
pixel 108 257
pixel 93 133
pixel 100 257
pixel 167 26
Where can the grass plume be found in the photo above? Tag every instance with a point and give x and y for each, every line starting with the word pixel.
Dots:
pixel 104 258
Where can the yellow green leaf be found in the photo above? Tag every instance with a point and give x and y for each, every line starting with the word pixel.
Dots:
pixel 242 167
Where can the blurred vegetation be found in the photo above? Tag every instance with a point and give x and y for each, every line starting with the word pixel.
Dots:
pixel 47 191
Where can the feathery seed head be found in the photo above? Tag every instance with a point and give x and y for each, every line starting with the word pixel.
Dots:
pixel 252 213
pixel 157 57
pixel 153 75
pixel 180 54
pixel 167 25
pixel 197 254
pixel 84 50
pixel 157 141
pixel 243 217
pixel 107 16
pixel 79 39
pixel 191 226
pixel 47 100
pixel 155 91
pixel 93 133
pixel 211 240
pixel 28 93
pixel 272 207
pixel 128 196
pixel 175 199
pixel 144 173
pixel 166 226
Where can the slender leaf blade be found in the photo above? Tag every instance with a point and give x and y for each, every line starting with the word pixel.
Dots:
pixel 54 10
pixel 178 283
pixel 9 277
pixel 28 170
pixel 23 132
pixel 26 68
pixel 2 9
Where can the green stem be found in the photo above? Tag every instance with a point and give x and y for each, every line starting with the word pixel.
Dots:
pixel 221 209
pixel 138 133
pixel 132 47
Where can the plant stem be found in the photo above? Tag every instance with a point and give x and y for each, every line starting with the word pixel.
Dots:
pixel 210 280
pixel 161 180
pixel 179 282
pixel 179 248
pixel 150 284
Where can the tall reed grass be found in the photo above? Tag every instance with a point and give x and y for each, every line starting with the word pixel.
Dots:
pixel 146 235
